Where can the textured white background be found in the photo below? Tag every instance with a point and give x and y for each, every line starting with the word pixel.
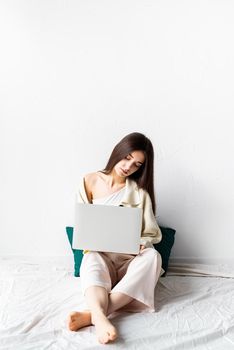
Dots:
pixel 76 76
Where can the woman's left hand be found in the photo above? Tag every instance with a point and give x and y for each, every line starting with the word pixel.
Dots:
pixel 142 247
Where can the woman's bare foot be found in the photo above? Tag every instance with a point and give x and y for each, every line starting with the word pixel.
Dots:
pixel 77 320
pixel 105 330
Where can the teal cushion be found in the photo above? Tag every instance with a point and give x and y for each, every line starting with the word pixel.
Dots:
pixel 163 247
pixel 77 254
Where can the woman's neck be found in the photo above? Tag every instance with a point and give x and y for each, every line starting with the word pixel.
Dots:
pixel 114 180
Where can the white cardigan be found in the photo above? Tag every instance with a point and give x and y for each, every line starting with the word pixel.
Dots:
pixel 134 197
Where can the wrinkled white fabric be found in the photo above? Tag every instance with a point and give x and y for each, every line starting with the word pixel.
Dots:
pixel 37 294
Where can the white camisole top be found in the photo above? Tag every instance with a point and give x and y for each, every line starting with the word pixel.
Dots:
pixel 112 199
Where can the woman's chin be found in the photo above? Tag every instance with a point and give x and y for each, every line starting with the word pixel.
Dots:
pixel 123 176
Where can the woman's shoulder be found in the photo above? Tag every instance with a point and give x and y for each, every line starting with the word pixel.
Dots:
pixel 87 183
pixel 135 186
pixel 92 178
pixel 89 177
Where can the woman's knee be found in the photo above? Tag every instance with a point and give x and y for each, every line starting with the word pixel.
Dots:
pixel 92 257
pixel 91 261
pixel 94 272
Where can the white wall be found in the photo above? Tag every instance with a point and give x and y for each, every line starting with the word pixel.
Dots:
pixel 76 76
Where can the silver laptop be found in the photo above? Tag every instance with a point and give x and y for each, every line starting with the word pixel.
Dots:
pixel 107 228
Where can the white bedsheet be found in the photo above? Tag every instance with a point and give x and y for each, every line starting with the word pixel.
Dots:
pixel 193 312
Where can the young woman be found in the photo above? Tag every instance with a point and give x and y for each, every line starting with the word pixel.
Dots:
pixel 112 281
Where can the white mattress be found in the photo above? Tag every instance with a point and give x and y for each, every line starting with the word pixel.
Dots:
pixel 194 310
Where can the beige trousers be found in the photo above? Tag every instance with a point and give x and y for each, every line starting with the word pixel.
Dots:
pixel 133 275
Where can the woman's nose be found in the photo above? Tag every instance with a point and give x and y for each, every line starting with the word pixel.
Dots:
pixel 127 167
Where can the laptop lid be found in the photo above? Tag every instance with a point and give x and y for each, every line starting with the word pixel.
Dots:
pixel 107 228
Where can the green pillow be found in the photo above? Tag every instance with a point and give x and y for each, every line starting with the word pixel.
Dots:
pixel 77 254
pixel 163 247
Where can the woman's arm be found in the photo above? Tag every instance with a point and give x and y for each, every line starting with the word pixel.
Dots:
pixel 151 232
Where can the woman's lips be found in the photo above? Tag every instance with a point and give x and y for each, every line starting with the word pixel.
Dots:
pixel 124 172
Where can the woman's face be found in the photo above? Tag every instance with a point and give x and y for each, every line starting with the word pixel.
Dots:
pixel 131 163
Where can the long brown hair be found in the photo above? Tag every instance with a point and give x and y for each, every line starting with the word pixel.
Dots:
pixel 144 176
